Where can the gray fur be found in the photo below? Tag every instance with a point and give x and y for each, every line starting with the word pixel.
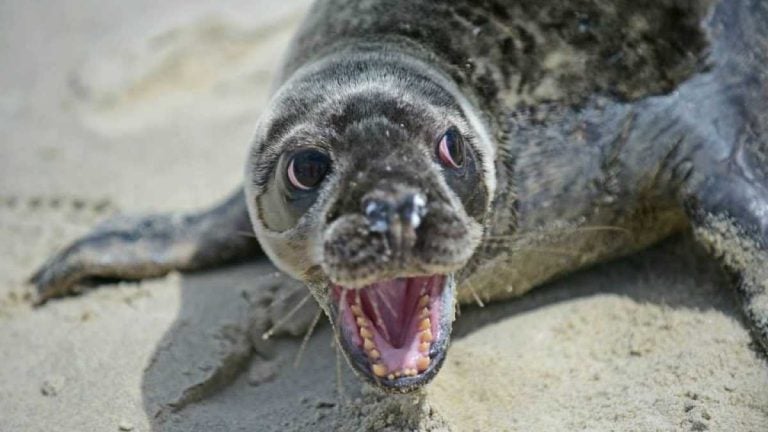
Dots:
pixel 597 128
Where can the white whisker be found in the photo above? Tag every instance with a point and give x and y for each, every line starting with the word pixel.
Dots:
pixel 246 234
pixel 307 336
pixel 342 299
pixel 552 251
pixel 474 294
pixel 547 231
pixel 267 334
pixel 339 381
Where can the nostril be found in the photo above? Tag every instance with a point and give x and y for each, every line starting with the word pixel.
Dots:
pixel 413 209
pixel 379 214
pixel 407 210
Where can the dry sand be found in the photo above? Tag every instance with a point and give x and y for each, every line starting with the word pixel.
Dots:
pixel 110 107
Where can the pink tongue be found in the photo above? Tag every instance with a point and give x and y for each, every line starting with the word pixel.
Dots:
pixel 386 303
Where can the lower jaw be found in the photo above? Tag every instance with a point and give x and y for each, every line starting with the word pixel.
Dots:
pixel 403 384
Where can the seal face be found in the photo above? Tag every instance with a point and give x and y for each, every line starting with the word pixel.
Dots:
pixel 379 189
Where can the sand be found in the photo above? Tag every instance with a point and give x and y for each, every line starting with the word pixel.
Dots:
pixel 131 107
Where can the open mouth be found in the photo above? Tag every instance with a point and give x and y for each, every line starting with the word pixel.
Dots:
pixel 395 332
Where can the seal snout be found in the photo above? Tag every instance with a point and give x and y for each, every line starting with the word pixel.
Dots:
pixel 396 229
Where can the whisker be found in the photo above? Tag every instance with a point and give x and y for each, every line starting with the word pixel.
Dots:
pixel 273 275
pixel 587 228
pixel 336 345
pixel 307 336
pixel 246 234
pixel 498 279
pixel 268 334
pixel 342 298
pixel 340 391
pixel 552 251
pixel 602 228
pixel 474 294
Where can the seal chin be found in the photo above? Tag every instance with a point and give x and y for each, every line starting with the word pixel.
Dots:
pixel 395 332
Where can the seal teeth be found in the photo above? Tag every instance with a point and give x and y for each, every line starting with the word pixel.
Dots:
pixel 371 325
pixel 365 333
pixel 379 369
pixel 422 363
pixel 357 310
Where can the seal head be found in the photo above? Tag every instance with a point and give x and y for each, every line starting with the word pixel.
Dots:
pixel 371 180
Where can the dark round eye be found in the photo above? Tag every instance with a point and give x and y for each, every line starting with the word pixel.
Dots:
pixel 308 168
pixel 451 150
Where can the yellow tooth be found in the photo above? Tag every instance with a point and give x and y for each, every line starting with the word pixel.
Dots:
pixel 362 322
pixel 374 354
pixel 379 370
pixel 425 313
pixel 365 333
pixel 390 377
pixel 356 310
pixel 422 363
pixel 425 324
pixel 423 301
pixel 424 347
pixel 426 335
pixel 368 344
pixel 398 374
pixel 413 372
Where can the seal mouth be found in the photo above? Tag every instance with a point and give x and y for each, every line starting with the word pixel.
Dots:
pixel 395 331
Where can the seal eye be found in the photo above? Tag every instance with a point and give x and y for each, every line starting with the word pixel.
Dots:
pixel 451 149
pixel 307 169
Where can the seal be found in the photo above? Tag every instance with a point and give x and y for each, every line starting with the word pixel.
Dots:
pixel 416 154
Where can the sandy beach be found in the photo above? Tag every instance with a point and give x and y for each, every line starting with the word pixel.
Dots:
pixel 132 107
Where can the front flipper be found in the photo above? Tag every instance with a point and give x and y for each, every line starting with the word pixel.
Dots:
pixel 729 214
pixel 150 246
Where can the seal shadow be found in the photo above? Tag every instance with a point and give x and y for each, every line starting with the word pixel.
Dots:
pixel 212 371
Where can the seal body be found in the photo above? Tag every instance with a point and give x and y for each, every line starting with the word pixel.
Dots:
pixel 418 153
pixel 585 104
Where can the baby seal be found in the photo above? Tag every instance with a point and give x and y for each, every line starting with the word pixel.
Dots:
pixel 418 153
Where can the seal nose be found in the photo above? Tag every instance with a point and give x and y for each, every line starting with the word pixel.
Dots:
pixel 413 208
pixel 381 212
